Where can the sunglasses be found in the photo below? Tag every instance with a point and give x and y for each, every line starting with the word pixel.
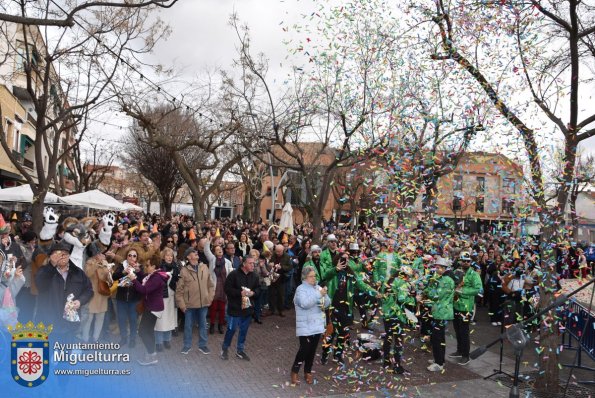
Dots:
pixel 132 255
pixel 170 241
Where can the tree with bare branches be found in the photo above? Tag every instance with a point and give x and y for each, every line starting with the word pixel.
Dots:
pixel 93 158
pixel 62 75
pixel 155 164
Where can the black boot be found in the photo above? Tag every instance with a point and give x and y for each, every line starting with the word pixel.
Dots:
pixel 220 328
pixel 212 328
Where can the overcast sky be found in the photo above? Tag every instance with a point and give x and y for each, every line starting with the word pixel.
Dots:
pixel 202 39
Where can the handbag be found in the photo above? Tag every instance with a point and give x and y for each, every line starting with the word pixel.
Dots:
pixel 103 287
pixel 140 307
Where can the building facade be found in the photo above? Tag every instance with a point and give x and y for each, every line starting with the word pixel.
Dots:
pixel 18 116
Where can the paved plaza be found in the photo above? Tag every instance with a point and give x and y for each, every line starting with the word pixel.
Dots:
pixel 272 347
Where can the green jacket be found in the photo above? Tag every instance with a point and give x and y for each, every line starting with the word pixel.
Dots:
pixel 354 280
pixel 418 266
pixel 471 287
pixel 441 291
pixel 380 266
pixel 396 297
pixel 310 263
pixel 326 259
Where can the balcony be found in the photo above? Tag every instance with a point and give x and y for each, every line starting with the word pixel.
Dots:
pixel 22 160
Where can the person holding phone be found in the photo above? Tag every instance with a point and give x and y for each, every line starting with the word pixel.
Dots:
pixel 341 280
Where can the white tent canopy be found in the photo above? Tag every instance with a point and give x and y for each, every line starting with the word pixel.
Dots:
pixel 95 200
pixel 131 206
pixel 23 193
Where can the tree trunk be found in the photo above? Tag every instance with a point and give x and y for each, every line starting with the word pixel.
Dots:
pixel 316 220
pixel 573 215
pixel 37 212
pixel 199 209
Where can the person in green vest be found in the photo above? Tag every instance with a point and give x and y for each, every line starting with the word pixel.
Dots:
pixel 386 265
pixel 464 301
pixel 395 295
pixel 342 279
pixel 315 262
pixel 330 251
pixel 441 292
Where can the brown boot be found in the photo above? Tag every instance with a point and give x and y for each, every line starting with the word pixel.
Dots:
pixel 295 378
pixel 309 378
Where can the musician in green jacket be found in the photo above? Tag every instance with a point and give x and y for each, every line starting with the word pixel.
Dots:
pixel 465 293
pixel 342 279
pixel 441 293
pixel 395 296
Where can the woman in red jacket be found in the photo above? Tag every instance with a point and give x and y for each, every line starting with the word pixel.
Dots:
pixel 151 290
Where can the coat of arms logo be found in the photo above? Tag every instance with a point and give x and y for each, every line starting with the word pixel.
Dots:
pixel 29 349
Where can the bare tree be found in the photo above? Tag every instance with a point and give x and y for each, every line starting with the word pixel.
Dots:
pixel 156 164
pixel 319 125
pixel 63 75
pixel 546 53
pixel 252 175
pixel 203 151
pixel 91 163
pixel 18 11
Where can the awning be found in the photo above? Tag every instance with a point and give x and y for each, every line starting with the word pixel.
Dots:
pixel 26 142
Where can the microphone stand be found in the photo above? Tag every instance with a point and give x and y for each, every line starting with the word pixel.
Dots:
pixel 519 339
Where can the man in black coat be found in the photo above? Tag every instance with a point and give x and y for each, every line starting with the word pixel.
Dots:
pixel 56 280
pixel 241 286
pixel 281 265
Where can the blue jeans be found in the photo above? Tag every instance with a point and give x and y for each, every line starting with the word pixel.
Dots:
pixel 260 301
pixel 191 316
pixel 160 337
pixel 235 322
pixel 127 316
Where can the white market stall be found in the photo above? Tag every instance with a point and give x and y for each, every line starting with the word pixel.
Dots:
pixel 23 193
pixel 94 200
pixel 131 207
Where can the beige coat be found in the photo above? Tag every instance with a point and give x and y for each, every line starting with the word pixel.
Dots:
pixel 194 289
pixel 98 303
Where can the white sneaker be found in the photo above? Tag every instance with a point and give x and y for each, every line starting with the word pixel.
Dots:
pixel 435 368
pixel 499 323
pixel 494 323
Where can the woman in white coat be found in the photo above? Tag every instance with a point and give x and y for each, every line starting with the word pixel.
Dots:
pixel 310 301
pixel 169 318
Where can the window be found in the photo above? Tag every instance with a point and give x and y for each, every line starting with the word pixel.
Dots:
pixel 509 186
pixel 458 183
pixel 481 184
pixel 17 141
pixel 479 204
pixel 507 206
pixel 275 171
pixel 456 203
pixel 269 191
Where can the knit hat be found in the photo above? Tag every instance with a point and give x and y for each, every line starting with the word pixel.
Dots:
pixel 315 248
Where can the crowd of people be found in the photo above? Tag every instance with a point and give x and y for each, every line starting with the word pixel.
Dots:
pixel 156 278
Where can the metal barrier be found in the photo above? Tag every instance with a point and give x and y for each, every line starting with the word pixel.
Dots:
pixel 574 317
